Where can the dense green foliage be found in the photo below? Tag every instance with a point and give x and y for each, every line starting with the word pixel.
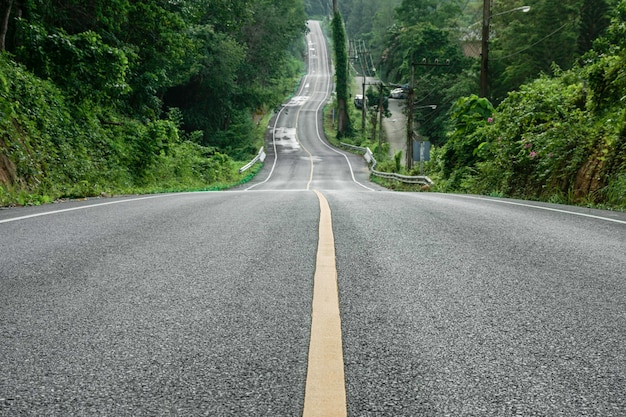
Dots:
pixel 126 96
pixel 523 45
pixel 553 125
pixel 116 96
pixel 560 138
pixel 342 75
pixel 318 8
pixel 54 148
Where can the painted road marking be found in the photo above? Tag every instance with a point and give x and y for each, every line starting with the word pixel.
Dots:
pixel 573 213
pixel 47 213
pixel 310 158
pixel 325 393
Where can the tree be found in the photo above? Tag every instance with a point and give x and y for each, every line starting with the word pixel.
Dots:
pixel 441 85
pixel 215 59
pixel 358 15
pixel 342 75
pixel 439 13
pixel 276 25
pixel 525 45
pixel 5 13
pixel 594 19
pixel 238 65
pixel 207 98
pixel 467 115
pixel 317 8
pixel 82 64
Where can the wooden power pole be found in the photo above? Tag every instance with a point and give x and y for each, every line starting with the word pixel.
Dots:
pixel 410 102
pixel 484 49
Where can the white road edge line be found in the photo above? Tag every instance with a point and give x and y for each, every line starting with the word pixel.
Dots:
pixel 319 136
pixel 513 203
pixel 30 216
pixel 303 85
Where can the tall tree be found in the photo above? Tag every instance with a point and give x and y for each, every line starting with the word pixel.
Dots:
pixel 5 14
pixel 594 19
pixel 317 8
pixel 216 60
pixel 523 45
pixel 436 12
pixel 342 74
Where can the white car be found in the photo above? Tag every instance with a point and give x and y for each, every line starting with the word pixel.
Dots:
pixel 398 93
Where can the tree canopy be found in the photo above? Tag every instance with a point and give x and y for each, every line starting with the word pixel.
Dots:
pixel 138 92
pixel 552 126
pixel 211 58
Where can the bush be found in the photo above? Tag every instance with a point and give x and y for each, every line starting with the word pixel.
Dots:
pixel 54 148
pixel 542 143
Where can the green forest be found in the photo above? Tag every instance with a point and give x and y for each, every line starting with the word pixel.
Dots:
pixel 109 97
pixel 103 97
pixel 552 124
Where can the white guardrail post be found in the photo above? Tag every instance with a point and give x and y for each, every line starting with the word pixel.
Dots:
pixel 259 157
pixel 369 157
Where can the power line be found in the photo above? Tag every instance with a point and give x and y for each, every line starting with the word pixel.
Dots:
pixel 534 44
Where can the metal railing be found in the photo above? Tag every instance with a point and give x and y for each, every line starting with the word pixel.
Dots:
pixel 369 157
pixel 259 157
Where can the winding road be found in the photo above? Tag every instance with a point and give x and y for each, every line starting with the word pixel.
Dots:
pixel 312 291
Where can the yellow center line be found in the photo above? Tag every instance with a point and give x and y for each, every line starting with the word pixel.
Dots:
pixel 325 393
pixel 308 185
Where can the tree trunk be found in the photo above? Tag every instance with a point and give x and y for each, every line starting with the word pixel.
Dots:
pixel 6 13
pixel 342 115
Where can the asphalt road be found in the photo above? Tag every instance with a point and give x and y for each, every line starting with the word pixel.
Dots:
pixel 395 127
pixel 199 304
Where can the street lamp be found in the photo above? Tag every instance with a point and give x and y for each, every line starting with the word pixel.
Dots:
pixel 484 54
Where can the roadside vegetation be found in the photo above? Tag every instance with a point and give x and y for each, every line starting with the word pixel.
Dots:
pixel 559 138
pixel 116 97
pixel 553 124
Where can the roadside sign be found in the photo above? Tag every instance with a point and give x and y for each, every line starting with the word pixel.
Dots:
pixel 421 151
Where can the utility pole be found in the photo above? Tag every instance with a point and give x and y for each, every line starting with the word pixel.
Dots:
pixel 363 106
pixel 359 52
pixel 356 54
pixel 484 43
pixel 484 49
pixel 411 107
pixel 410 100
pixel 380 115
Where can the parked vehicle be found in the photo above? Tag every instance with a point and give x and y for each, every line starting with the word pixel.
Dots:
pixel 358 101
pixel 398 93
